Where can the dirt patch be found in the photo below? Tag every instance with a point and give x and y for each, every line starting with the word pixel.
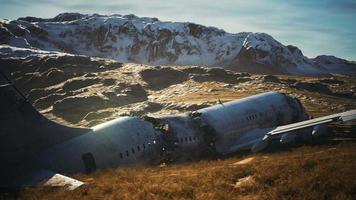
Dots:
pixel 97 115
pixel 55 76
pixel 246 181
pixel 271 78
pixel 159 78
pixel 331 81
pixel 77 83
pixel 323 89
pixel 74 109
pixel 129 94
pixel 37 93
pixel 243 79
pixel 194 70
pixel 244 161
pixel 314 87
pixel 217 74
pixel 47 101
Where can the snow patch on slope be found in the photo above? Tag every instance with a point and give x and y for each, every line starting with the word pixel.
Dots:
pixel 128 38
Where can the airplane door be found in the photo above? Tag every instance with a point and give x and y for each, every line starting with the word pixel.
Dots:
pixel 89 162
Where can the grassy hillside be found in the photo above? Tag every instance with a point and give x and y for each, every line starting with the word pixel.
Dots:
pixel 324 169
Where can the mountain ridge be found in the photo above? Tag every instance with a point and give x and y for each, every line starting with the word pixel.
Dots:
pixel 128 38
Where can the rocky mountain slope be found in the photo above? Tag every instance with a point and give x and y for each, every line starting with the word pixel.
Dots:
pixel 84 91
pixel 145 40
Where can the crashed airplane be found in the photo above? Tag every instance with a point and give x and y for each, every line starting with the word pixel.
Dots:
pixel 248 123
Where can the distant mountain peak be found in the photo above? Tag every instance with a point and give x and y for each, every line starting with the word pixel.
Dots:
pixel 129 38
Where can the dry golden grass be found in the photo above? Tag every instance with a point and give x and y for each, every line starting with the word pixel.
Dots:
pixel 316 171
pixel 308 172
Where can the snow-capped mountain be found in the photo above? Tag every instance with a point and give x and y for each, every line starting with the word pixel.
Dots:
pixel 128 38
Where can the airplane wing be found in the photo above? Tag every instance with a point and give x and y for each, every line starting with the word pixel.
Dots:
pixel 48 178
pixel 339 117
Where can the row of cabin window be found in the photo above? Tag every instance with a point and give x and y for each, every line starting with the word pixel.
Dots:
pixel 158 140
pixel 133 150
pixel 188 138
pixel 251 117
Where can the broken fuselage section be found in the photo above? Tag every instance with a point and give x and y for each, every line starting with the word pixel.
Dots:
pixel 219 129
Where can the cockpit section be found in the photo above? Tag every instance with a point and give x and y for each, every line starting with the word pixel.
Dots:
pixel 297 110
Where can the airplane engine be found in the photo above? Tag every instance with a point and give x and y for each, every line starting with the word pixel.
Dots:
pixel 287 138
pixel 259 146
pixel 319 130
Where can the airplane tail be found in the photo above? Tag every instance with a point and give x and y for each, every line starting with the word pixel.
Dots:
pixel 24 131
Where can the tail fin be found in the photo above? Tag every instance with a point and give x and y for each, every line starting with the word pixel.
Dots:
pixel 24 131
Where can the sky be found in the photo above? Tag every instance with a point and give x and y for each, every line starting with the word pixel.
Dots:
pixel 316 26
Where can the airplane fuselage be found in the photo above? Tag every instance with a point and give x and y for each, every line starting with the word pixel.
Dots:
pixel 222 129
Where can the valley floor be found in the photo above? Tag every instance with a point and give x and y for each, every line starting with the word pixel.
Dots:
pixel 322 170
pixel 319 171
